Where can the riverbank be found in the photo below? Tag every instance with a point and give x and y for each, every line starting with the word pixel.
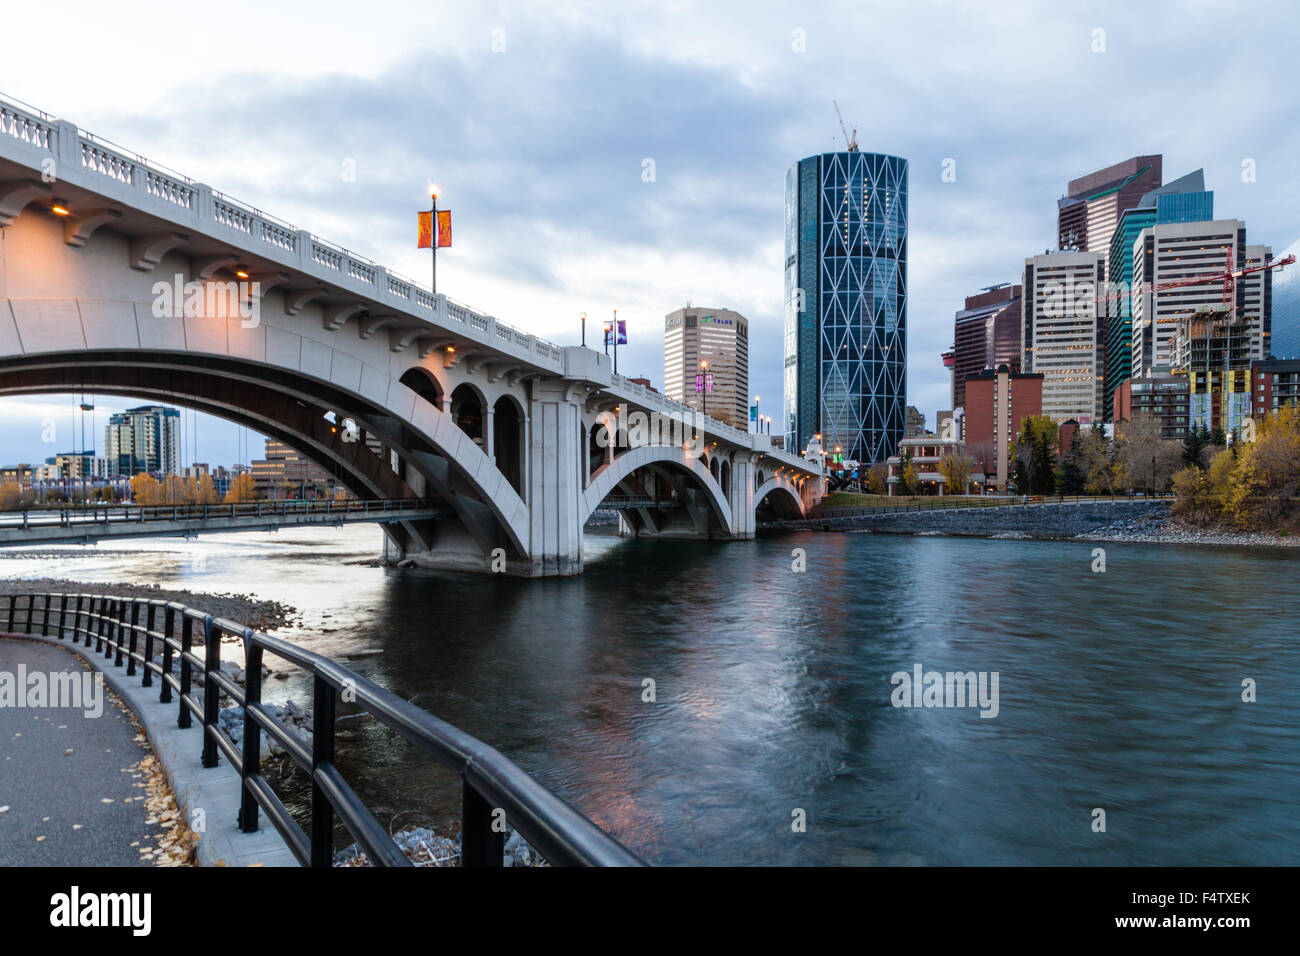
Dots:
pixel 1139 520
pixel 257 613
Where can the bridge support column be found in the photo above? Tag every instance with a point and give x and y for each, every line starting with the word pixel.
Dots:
pixel 741 498
pixel 554 476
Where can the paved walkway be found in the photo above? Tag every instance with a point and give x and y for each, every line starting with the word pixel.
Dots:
pixel 58 766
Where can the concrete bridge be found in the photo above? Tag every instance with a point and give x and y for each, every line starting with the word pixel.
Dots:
pixel 118 275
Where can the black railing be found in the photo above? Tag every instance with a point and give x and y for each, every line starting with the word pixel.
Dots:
pixel 131 630
pixel 77 517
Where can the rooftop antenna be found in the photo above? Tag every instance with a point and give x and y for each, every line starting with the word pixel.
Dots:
pixel 849 138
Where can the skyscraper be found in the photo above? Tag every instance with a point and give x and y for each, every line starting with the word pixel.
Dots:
pixel 986 334
pixel 1060 303
pixel 143 439
pixel 1087 216
pixel 720 337
pixel 1183 200
pixel 846 303
pixel 1285 342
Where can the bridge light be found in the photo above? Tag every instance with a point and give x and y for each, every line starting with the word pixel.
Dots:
pixel 241 273
pixel 60 208
pixel 450 349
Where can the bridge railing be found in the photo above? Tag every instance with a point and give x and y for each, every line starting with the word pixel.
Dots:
pixel 68 517
pixel 195 204
pixel 130 630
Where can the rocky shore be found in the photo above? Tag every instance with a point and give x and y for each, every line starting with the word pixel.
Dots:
pixel 259 614
pixel 1166 530
pixel 426 847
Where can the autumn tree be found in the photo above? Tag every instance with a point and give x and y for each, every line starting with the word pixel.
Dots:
pixel 242 489
pixel 878 479
pixel 956 469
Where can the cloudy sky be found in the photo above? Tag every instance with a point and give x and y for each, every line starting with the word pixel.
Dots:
pixel 536 120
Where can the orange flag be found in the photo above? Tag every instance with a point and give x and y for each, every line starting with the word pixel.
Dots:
pixel 444 227
pixel 425 232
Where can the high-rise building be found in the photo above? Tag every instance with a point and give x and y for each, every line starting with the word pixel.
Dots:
pixel 285 473
pixel 1285 340
pixel 143 439
pixel 720 337
pixel 1169 252
pixel 1087 215
pixel 1183 200
pixel 1063 331
pixel 997 403
pixel 1162 397
pixel 986 334
pixel 846 303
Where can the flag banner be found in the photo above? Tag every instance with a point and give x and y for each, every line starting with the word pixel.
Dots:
pixel 444 228
pixel 622 332
pixel 753 413
pixel 708 383
pixel 425 230
pixel 699 383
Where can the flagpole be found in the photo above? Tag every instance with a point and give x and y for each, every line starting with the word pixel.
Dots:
pixel 616 341
pixel 433 242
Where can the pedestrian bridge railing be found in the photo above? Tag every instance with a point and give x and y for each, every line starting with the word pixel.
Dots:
pixel 131 630
pixel 118 514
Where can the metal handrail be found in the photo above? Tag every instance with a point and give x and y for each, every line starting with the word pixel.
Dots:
pixel 130 629
pixel 67 517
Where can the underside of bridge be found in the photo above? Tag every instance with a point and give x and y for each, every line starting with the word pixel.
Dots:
pixel 293 409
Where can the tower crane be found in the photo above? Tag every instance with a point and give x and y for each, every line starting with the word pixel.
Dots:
pixel 851 139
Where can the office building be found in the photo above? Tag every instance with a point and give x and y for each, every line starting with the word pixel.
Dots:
pixel 986 334
pixel 1183 200
pixel 1063 332
pixel 143 439
pixel 1285 340
pixel 845 347
pixel 719 337
pixel 285 473
pixel 997 404
pixel 1274 383
pixel 1164 397
pixel 1087 216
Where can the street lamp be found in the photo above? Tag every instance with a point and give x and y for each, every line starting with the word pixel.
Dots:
pixel 584 330
pixel 704 384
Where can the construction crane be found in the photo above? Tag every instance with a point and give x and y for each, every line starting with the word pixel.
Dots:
pixel 850 139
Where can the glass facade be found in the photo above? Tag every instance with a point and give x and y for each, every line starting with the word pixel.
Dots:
pixel 1285 343
pixel 1184 207
pixel 1119 306
pixel 846 303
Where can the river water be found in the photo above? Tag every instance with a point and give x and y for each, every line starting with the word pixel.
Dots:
pixel 1118 691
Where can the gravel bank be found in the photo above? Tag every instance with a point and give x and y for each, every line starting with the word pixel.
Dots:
pixel 241 608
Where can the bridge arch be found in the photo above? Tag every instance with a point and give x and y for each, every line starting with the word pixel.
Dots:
pixel 425 384
pixel 669 458
pixel 290 406
pixel 785 500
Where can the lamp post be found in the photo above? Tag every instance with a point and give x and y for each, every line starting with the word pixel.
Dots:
pixel 433 241
pixel 584 329
pixel 704 384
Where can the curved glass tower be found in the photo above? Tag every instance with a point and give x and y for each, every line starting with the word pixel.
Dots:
pixel 846 303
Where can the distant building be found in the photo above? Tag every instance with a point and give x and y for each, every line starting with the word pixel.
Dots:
pixel 1183 200
pixel 1274 383
pixel 1087 216
pixel 1063 332
pixel 997 403
pixel 79 465
pixel 1285 342
pixel 143 439
pixel 926 452
pixel 1166 398
pixel 720 337
pixel 21 475
pixel 986 334
pixel 915 422
pixel 284 473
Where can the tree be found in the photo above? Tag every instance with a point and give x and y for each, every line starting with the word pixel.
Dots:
pixel 1195 447
pixel 242 489
pixel 145 490
pixel 909 481
pixel 1036 456
pixel 956 469
pixel 206 492
pixel 13 498
pixel 878 479
pixel 1267 472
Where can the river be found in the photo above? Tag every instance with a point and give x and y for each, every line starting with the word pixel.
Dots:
pixel 1118 690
